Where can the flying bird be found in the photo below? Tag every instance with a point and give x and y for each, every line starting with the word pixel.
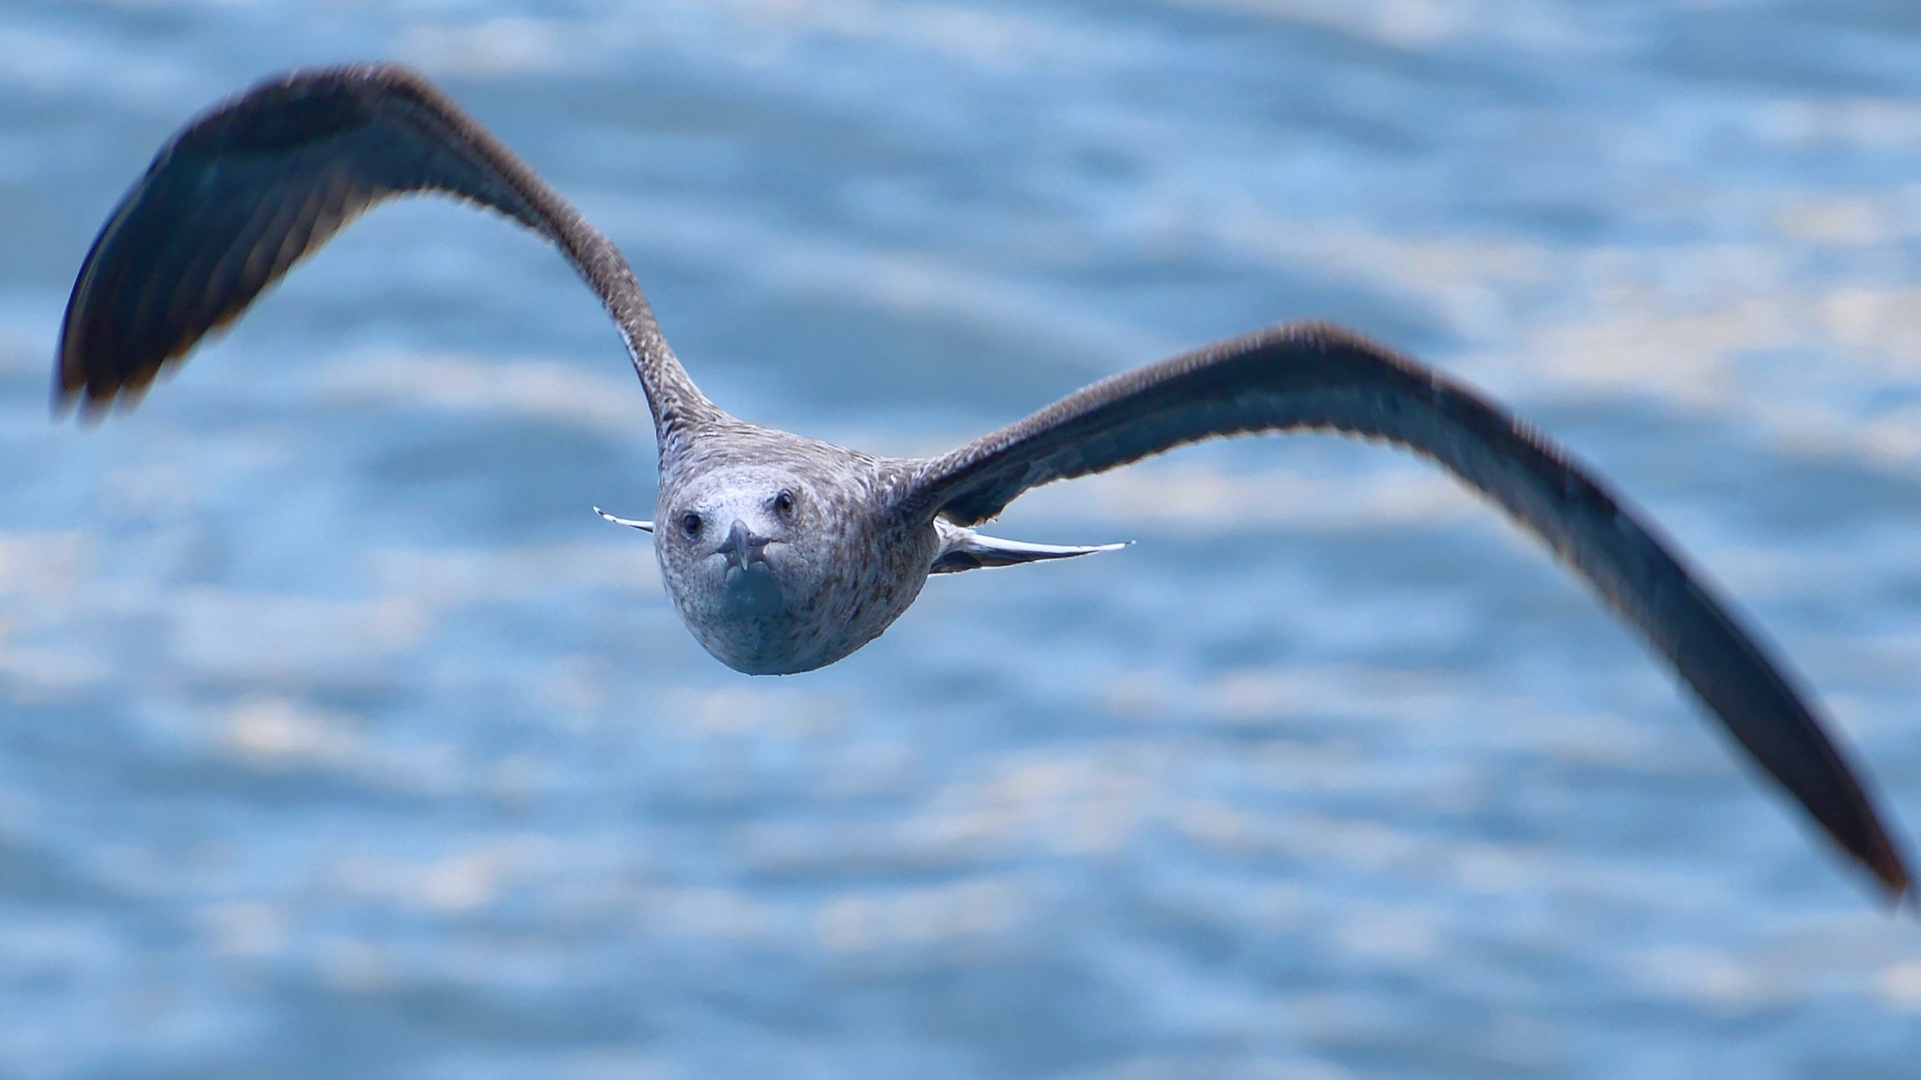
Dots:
pixel 782 553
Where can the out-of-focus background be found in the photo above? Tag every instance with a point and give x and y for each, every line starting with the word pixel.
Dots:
pixel 340 739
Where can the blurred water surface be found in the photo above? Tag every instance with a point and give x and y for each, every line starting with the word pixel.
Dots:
pixel 340 739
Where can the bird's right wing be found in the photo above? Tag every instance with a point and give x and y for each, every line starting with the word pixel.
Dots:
pixel 1314 377
pixel 248 188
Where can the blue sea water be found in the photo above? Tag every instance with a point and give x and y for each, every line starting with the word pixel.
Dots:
pixel 340 739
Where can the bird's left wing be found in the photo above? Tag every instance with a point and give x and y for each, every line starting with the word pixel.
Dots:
pixel 1313 377
pixel 251 186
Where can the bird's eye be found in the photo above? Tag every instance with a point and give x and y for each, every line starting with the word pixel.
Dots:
pixel 690 524
pixel 784 503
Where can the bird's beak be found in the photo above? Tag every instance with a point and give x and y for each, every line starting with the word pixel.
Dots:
pixel 742 548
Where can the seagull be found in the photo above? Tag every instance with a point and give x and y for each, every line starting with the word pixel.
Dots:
pixel 783 554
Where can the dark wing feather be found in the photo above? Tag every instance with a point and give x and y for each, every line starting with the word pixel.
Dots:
pixel 255 184
pixel 238 197
pixel 1314 377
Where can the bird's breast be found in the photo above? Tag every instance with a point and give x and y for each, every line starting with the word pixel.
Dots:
pixel 750 594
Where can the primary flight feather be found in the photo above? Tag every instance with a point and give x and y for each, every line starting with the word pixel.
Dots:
pixel 783 554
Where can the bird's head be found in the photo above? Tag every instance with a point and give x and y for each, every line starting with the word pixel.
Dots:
pixel 771 571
